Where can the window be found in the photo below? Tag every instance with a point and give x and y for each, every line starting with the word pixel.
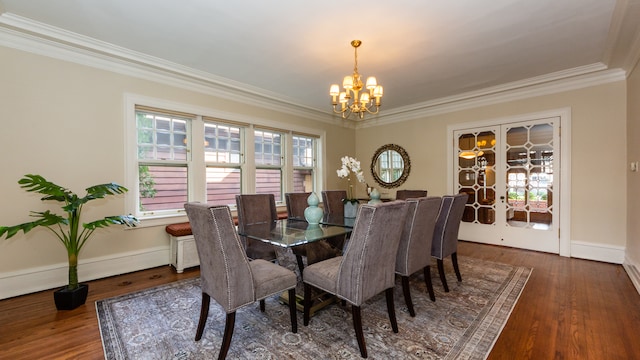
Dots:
pixel 222 155
pixel 268 160
pixel 163 162
pixel 303 163
pixel 175 155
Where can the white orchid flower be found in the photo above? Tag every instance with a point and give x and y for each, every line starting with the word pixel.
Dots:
pixel 350 165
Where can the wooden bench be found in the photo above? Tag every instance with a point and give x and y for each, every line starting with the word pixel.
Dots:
pixel 183 252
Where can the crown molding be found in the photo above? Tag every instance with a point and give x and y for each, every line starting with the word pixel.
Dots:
pixel 35 37
pixel 39 38
pixel 572 79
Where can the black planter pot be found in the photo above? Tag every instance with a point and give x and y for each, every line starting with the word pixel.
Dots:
pixel 70 299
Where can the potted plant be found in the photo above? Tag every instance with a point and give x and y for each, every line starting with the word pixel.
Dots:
pixel 68 228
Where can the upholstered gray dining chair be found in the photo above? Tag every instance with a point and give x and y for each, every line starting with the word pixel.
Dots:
pixel 332 202
pixel 256 209
pixel 367 266
pixel 227 275
pixel 415 244
pixel 445 235
pixel 408 194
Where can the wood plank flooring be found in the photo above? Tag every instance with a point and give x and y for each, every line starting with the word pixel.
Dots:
pixel 570 309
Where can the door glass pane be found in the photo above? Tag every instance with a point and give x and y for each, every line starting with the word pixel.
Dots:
pixel 529 171
pixel 476 175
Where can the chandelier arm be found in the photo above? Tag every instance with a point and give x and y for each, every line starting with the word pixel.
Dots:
pixel 347 113
pixel 373 112
pixel 341 111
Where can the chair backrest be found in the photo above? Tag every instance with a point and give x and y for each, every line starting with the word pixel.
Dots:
pixel 255 208
pixel 296 203
pixel 409 194
pixel 225 273
pixel 368 264
pixel 445 234
pixel 415 243
pixel 332 201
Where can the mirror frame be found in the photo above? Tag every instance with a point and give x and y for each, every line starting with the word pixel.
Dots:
pixel 405 171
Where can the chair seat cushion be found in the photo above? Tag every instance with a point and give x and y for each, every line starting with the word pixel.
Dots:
pixel 324 274
pixel 270 279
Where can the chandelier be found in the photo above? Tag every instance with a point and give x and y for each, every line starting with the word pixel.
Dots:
pixel 351 100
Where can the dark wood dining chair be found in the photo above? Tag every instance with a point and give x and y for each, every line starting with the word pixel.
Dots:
pixel 333 206
pixel 367 267
pixel 296 203
pixel 408 194
pixel 312 252
pixel 332 202
pixel 445 234
pixel 256 209
pixel 227 275
pixel 415 244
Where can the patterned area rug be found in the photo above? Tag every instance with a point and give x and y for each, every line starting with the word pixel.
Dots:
pixel 160 323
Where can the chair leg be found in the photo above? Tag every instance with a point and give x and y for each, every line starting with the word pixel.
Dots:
pixel 228 334
pixel 292 310
pixel 307 303
pixel 300 265
pixel 427 281
pixel 391 309
pixel 357 326
pixel 454 259
pixel 204 312
pixel 407 295
pixel 262 305
pixel 443 278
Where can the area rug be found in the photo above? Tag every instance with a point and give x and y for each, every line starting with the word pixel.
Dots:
pixel 160 323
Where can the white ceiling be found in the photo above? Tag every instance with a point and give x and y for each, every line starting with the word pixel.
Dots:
pixel 292 50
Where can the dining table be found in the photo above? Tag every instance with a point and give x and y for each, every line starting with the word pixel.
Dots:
pixel 290 232
pixel 284 234
pixel 332 220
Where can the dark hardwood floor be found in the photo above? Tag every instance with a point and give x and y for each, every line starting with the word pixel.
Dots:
pixel 569 309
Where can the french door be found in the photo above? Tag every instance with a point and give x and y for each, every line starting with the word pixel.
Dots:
pixel 508 172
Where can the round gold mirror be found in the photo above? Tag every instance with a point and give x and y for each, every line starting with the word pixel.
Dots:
pixel 390 166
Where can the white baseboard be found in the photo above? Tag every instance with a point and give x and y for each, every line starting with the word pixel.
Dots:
pixel 597 252
pixel 49 277
pixel 632 270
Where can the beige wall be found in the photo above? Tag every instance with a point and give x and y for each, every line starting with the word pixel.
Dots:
pixel 598 113
pixel 66 122
pixel 633 178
